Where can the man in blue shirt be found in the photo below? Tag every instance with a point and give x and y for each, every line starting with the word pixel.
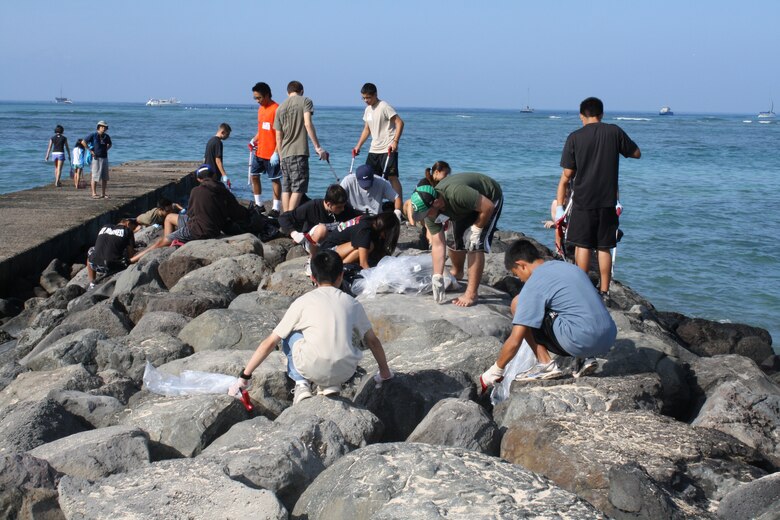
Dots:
pixel 558 310
pixel 98 144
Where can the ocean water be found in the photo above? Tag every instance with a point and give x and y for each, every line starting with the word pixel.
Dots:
pixel 702 206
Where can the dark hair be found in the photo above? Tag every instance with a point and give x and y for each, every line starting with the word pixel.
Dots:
pixel 129 219
pixel 521 250
pixel 163 203
pixel 368 88
pixel 326 266
pixel 80 143
pixel 58 129
pixel 295 86
pixel 262 88
pixel 386 230
pixel 437 166
pixel 592 107
pixel 335 194
pixel 225 127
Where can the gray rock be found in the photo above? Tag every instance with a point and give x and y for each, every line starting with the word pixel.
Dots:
pixel 128 355
pixel 97 410
pixel 634 495
pixel 73 349
pixel 154 323
pixel 54 276
pixel 702 466
pixel 460 424
pixel 495 275
pixel 167 489
pixel 223 329
pixel 359 426
pixel 389 481
pixel 40 326
pixel 31 387
pixel 76 269
pixel 275 252
pixel 27 425
pixel 183 426
pixel 104 317
pixel 8 372
pixel 173 268
pixel 28 487
pixel 262 300
pixel 191 303
pixel 215 249
pixel 142 275
pixel 289 279
pixel 402 402
pixel 97 453
pixel 116 385
pixel 240 274
pixel 86 301
pixel 585 395
pixel 10 307
pixel 708 373
pixel 759 499
pixel 709 338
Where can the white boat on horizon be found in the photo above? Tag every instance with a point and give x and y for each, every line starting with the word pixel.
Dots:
pixel 62 99
pixel 770 114
pixel 527 108
pixel 154 102
pixel 665 111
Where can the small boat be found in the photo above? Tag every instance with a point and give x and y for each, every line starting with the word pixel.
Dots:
pixel 62 99
pixel 154 102
pixel 665 111
pixel 770 114
pixel 527 108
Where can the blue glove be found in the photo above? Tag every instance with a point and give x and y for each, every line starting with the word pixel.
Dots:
pixel 274 160
pixel 559 214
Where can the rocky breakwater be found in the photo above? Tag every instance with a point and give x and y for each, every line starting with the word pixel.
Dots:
pixel 681 419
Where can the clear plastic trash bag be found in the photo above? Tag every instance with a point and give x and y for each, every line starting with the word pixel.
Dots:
pixel 189 382
pixel 399 274
pixel 523 360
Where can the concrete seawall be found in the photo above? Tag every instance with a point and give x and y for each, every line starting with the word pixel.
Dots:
pixel 44 223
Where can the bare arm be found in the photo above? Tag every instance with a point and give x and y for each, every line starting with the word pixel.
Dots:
pixel 363 136
pixel 563 186
pixel 48 151
pixel 397 203
pixel 309 124
pixel 220 167
pixel 67 149
pixel 399 129
pixel 279 135
pixel 485 209
pixel 363 257
pixel 263 350
pixel 511 346
pixel 438 252
pixel 379 353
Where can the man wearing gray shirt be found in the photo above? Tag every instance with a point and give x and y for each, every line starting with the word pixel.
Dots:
pixel 367 191
pixel 293 122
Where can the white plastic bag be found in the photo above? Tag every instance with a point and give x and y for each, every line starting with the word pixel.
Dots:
pixel 399 274
pixel 523 360
pixel 190 382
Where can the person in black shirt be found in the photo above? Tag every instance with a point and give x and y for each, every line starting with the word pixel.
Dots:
pixel 364 240
pixel 99 143
pixel 333 208
pixel 213 155
pixel 590 161
pixel 113 248
pixel 58 145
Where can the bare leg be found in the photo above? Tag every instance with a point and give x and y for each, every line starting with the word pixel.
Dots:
pixel 90 273
pixel 582 258
pixel 277 188
pixel 476 266
pixel 295 200
pixel 396 184
pixel 256 188
pixel 57 172
pixel 348 253
pixel 103 185
pixel 605 269
pixel 76 177
pixel 162 242
pixel 458 259
pixel 94 187
pixel 285 201
pixel 540 351
pixel 170 224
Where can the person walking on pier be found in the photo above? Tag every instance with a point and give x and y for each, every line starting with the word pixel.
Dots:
pixel 99 143
pixel 58 145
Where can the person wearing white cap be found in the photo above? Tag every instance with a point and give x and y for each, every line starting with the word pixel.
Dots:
pixel 99 143
pixel 367 191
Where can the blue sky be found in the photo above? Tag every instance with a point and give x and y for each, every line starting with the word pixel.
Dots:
pixel 695 56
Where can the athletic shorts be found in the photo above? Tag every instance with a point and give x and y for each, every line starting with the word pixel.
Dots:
pixel 546 336
pixel 264 166
pixel 100 168
pixel 460 230
pixel 593 228
pixel 377 162
pixel 58 156
pixel 295 174
pixel 182 233
pixel 112 267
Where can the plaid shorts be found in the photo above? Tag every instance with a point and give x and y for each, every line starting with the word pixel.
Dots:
pixel 295 174
pixel 182 233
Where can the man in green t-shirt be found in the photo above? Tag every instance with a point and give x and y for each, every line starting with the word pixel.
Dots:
pixel 468 206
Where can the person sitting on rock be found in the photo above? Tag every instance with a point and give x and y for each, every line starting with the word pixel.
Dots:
pixel 113 248
pixel 366 192
pixel 558 310
pixel 210 211
pixel 317 334
pixel 156 216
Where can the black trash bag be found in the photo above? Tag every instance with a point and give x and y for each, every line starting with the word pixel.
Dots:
pixel 351 273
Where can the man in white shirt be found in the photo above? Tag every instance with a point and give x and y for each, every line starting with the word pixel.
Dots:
pixel 367 191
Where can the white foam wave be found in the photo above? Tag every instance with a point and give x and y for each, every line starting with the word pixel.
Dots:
pixel 765 122
pixel 632 118
pixel 747 121
pixel 555 117
pixel 465 117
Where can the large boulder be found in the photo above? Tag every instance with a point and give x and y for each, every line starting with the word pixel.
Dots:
pixel 217 248
pixel 240 274
pixel 73 349
pixel 25 426
pixel 105 317
pixel 460 424
pixel 97 410
pixel 54 276
pixel 28 487
pixel 172 269
pixel 128 355
pixel 710 338
pixel 759 499
pixel 97 453
pixel 40 326
pixel 192 302
pixel 289 279
pixel 421 482
pixel 636 496
pixel 31 387
pixel 167 489
pixel 142 275
pixel 224 329
pixel 153 323
pixel 262 300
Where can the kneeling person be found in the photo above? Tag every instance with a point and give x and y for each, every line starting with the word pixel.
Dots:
pixel 317 334
pixel 558 310
pixel 113 248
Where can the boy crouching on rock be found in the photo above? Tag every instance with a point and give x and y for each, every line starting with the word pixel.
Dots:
pixel 558 310
pixel 318 334
pixel 113 248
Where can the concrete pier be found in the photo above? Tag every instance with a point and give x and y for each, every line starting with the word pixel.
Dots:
pixel 44 223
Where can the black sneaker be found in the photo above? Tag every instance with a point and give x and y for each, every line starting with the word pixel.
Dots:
pixel 273 214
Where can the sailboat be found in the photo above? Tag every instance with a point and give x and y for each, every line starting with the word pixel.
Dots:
pixel 527 108
pixel 62 99
pixel 770 114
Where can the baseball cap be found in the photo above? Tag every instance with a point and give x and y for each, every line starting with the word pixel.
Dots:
pixel 422 199
pixel 102 123
pixel 203 172
pixel 365 176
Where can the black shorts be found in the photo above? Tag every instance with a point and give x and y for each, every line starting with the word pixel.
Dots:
pixel 461 229
pixel 593 228
pixel 546 336
pixel 377 162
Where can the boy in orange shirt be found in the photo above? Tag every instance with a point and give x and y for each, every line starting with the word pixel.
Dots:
pixel 265 158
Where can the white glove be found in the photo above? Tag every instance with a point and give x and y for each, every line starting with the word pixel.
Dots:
pixel 559 214
pixel 252 145
pixel 475 241
pixel 378 379
pixel 493 375
pixel 437 283
pixel 298 237
pixel 618 208
pixel 274 160
pixel 235 388
pixel 398 215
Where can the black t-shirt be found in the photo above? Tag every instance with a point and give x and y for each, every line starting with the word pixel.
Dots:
pixel 593 152
pixel 99 144
pixel 111 246
pixel 58 143
pixel 213 150
pixel 358 233
pixel 311 213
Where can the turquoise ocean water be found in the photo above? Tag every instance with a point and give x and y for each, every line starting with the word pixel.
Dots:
pixel 702 206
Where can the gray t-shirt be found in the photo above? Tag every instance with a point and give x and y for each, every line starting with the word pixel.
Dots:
pixel 583 327
pixel 381 126
pixel 370 199
pixel 289 120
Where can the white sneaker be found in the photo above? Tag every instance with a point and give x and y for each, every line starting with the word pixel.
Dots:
pixel 307 269
pixel 540 371
pixel 589 365
pixel 329 390
pixel 301 391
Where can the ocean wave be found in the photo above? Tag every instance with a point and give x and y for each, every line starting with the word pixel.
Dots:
pixel 555 117
pixel 747 121
pixel 765 122
pixel 465 117
pixel 632 118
